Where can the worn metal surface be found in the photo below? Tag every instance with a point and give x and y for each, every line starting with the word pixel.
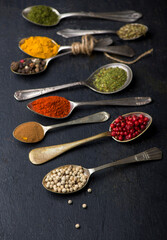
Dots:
pixel 127 202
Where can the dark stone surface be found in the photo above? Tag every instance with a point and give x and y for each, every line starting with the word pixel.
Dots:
pixel 126 202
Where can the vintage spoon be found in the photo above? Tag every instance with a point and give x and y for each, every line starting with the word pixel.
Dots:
pixel 103 42
pixel 68 33
pixel 94 118
pixel 131 101
pixel 123 16
pixel 44 154
pixel 148 155
pixel 101 46
pixel 21 95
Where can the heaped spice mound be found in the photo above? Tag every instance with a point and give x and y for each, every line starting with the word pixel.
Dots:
pixel 53 106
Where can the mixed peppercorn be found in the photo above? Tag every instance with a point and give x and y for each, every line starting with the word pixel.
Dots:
pixel 126 128
pixel 28 66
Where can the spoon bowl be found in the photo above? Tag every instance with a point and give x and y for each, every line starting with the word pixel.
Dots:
pixel 148 155
pixel 26 11
pixel 137 114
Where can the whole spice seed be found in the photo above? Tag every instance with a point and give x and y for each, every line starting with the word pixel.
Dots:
pixel 89 190
pixel 126 128
pixel 42 15
pixel 28 66
pixel 39 47
pixel 69 202
pixel 29 132
pixel 130 31
pixel 77 225
pixel 65 179
pixel 84 205
pixel 53 106
pixel 110 79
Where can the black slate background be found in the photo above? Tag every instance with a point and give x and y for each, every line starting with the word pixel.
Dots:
pixel 127 202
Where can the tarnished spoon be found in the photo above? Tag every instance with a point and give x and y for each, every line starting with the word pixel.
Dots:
pixel 122 16
pixel 68 33
pixel 94 118
pixel 131 101
pixel 44 154
pixel 148 155
pixel 21 95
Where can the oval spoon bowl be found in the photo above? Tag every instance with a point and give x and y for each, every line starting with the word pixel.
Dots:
pixel 28 9
pixel 127 69
pixel 134 38
pixel 137 114
pixel 86 172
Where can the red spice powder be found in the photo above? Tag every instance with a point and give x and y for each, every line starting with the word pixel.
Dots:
pixel 53 106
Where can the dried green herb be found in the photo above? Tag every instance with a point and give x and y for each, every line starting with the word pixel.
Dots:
pixel 110 79
pixel 131 31
pixel 42 15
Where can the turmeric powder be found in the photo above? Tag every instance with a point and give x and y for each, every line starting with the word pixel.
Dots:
pixel 39 47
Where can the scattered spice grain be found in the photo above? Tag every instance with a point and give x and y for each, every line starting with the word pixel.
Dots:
pixel 89 190
pixel 77 225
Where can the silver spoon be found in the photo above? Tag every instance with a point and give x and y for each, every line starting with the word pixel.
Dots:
pixel 101 46
pixel 131 101
pixel 44 154
pixel 68 33
pixel 103 42
pixel 148 155
pixel 94 118
pixel 123 16
pixel 31 93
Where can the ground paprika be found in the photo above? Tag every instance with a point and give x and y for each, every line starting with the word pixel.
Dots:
pixel 52 106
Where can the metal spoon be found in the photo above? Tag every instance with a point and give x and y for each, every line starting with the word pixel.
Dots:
pixel 31 93
pixel 103 42
pixel 94 118
pixel 68 33
pixel 132 101
pixel 148 155
pixel 102 46
pixel 44 154
pixel 123 16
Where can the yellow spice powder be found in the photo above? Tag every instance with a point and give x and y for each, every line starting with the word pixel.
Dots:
pixel 39 47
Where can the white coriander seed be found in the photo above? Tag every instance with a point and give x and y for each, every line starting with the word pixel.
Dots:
pixel 77 225
pixel 69 201
pixel 84 205
pixel 89 190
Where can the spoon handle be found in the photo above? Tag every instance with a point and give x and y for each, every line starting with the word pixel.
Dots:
pixel 68 33
pixel 131 101
pixel 44 154
pixel 123 50
pixel 21 95
pixel 94 118
pixel 150 154
pixel 122 16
